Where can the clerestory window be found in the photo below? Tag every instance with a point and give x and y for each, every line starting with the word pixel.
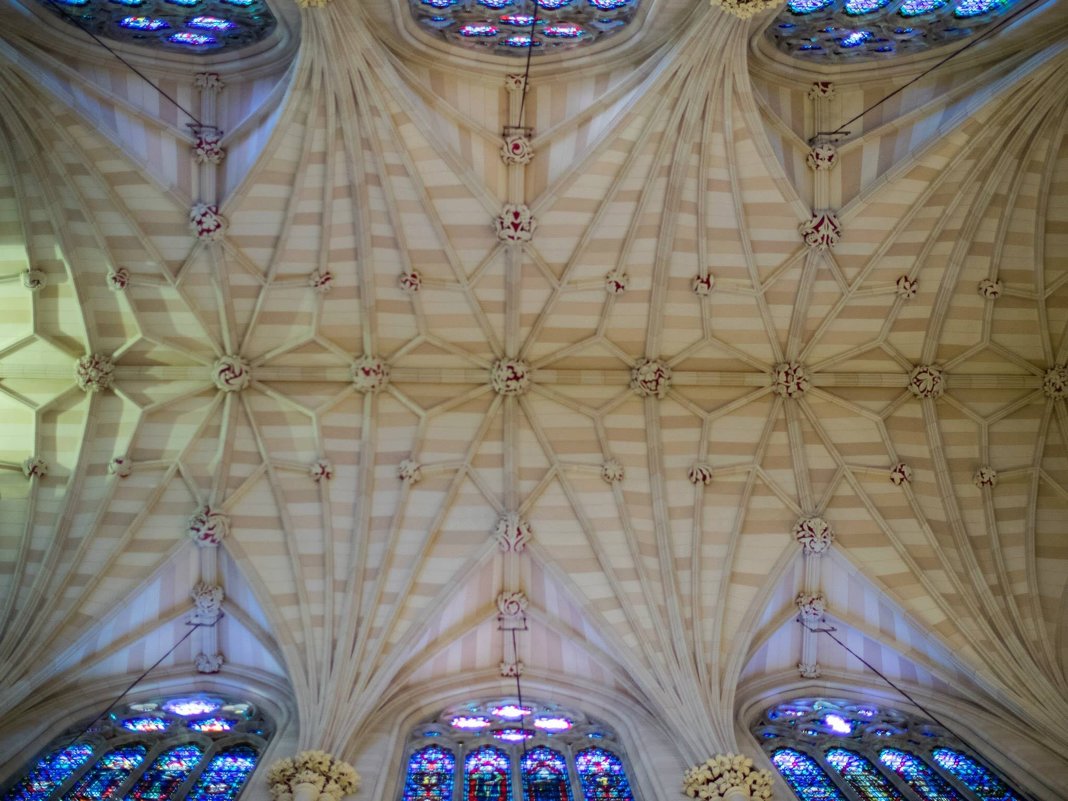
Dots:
pixel 501 751
pixel 197 748
pixel 837 750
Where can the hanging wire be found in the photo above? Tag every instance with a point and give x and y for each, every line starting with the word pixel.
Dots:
pixel 192 627
pixel 829 631
pixel 526 70
pixel 519 690
pixel 78 23
pixel 973 41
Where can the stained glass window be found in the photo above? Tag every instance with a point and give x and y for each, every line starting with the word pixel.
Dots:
pixel 511 27
pixel 487 775
pixel 225 774
pixel 430 775
pixel 862 776
pixel 544 774
pixel 191 26
pixel 166 774
pixel 108 774
pixel 978 779
pixel 826 30
pixel 50 773
pixel 602 776
pixel 919 776
pixel 805 777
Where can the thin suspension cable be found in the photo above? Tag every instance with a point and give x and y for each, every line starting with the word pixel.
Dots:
pixel 77 23
pixel 519 690
pixel 964 740
pixel 974 41
pixel 526 70
pixel 192 627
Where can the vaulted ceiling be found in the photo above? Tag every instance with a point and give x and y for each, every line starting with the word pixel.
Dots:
pixel 662 566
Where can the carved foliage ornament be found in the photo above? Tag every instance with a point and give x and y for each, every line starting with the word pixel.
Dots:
pixel 616 283
pixel 512 604
pixel 410 471
pixel 516 150
pixel 986 477
pixel 512 532
pixel 207 528
pixel 789 380
pixel 208 663
pixel 321 470
pixel 907 287
pixel 207 603
pixel 822 231
pixel 1055 382
pixel 510 376
pixel 208 82
pixel 727 776
pixel 901 474
pixel 370 374
pixel 207 148
pixel 822 157
pixel 411 282
pixel 35 467
pixel 702 284
pixel 650 378
pixel 312 774
pixel 812 607
pixel 813 534
pixel 118 279
pixel 990 288
pixel 821 90
pixel 94 372
pixel 808 671
pixel 206 222
pixel 612 471
pixel 927 381
pixel 34 280
pixel 701 474
pixel 744 9
pixel 120 467
pixel 515 82
pixel 231 374
pixel 516 223
pixel 321 281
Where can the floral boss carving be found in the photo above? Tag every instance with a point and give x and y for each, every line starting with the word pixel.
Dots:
pixel 231 374
pixel 207 148
pixel 321 470
pixel 206 222
pixel 900 474
pixel 700 474
pixel 789 380
pixel 207 604
pixel 516 150
pixel 727 776
pixel 986 477
pixel 515 223
pixel 650 378
pixel 612 471
pixel 1055 382
pixel 822 157
pixel 94 372
pixel 512 533
pixel 811 608
pixel 370 374
pixel 814 535
pixel 410 471
pixel 512 605
pixel 510 376
pixel 927 381
pixel 312 775
pixel 821 231
pixel 207 528
pixel 120 467
pixel 35 467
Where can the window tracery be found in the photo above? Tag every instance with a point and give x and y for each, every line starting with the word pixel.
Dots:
pixel 188 26
pixel 501 751
pixel 837 750
pixel 852 30
pixel 515 27
pixel 197 748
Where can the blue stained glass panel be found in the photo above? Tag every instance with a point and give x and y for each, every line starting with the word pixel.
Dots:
pixel 862 776
pixel 856 7
pixel 429 777
pixel 979 780
pixel 808 6
pixel 602 776
pixel 487 774
pixel 912 8
pixel 225 774
pixel 108 774
pixel 166 774
pixel 50 772
pixel 973 8
pixel 805 777
pixel 927 784
pixel 544 774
